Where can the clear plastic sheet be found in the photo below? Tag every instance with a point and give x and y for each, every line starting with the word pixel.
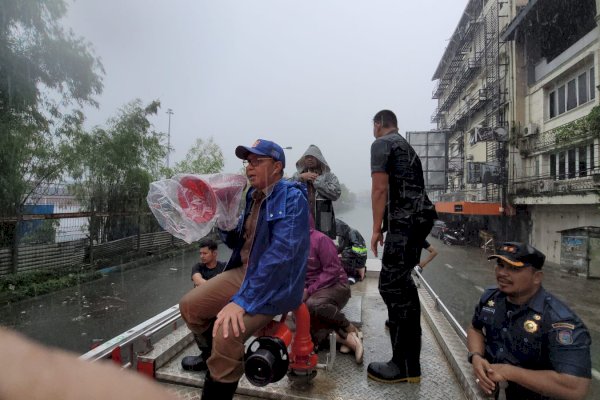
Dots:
pixel 188 206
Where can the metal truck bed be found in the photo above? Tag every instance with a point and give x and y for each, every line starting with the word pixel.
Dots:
pixel 156 348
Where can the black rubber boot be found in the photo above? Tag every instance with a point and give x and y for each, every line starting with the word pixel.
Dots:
pixel 214 390
pixel 198 363
pixel 389 372
pixel 406 349
pixel 397 370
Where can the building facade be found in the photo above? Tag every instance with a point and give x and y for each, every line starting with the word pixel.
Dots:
pixel 473 94
pixel 517 95
pixel 553 165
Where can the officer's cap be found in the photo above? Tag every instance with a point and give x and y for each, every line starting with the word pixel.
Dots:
pixel 520 255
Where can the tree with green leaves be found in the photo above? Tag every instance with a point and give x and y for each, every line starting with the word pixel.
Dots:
pixel 45 71
pixel 205 157
pixel 118 164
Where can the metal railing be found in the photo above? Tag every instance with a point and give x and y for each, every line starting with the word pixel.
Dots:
pixel 440 306
pixel 124 348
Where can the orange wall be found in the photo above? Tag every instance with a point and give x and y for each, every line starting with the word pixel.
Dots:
pixel 468 208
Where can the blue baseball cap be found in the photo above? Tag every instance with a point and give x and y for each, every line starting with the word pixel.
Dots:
pixel 262 147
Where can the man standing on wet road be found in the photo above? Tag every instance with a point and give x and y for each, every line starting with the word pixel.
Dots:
pixel 523 335
pixel 397 180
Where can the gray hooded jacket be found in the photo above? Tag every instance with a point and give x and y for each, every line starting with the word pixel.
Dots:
pixel 327 189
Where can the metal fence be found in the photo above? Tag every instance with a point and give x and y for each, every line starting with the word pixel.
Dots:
pixel 56 230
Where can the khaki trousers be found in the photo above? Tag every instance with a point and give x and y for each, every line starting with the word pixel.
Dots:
pixel 200 305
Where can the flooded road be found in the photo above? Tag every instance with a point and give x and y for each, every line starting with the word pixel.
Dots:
pixel 77 318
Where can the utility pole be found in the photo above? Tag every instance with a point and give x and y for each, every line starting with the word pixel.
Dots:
pixel 170 112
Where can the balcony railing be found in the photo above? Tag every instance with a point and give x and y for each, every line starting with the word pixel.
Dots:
pixel 566 135
pixel 437 116
pixel 552 187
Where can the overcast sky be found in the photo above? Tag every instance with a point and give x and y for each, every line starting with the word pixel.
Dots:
pixel 296 72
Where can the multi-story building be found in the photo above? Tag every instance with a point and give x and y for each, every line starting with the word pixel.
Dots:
pixel 554 166
pixel 472 90
pixel 517 96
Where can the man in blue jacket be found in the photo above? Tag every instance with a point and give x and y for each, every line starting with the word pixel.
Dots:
pixel 265 274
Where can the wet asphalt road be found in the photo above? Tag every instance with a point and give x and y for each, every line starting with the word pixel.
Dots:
pixel 459 275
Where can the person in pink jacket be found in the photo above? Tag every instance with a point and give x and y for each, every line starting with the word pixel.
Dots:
pixel 326 292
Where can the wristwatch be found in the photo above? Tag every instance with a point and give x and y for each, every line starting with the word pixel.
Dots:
pixel 470 355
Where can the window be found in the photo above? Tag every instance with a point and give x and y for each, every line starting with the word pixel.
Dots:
pixel 561 99
pixel 572 163
pixel 592 84
pixel 561 165
pixel 583 161
pixel 552 101
pixel 571 95
pixel 577 91
pixel 582 84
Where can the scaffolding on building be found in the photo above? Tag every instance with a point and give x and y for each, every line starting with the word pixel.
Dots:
pixel 476 50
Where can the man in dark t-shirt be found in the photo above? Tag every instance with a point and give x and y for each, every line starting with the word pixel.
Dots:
pixel 207 268
pixel 397 180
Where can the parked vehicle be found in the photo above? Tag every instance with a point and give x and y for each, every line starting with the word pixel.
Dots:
pixel 454 236
pixel 438 229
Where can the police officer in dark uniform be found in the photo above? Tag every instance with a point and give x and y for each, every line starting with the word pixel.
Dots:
pixel 397 180
pixel 523 335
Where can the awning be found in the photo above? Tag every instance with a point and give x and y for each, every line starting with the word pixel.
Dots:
pixel 469 208
pixel 509 32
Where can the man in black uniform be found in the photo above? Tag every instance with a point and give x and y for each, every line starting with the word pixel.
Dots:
pixel 207 268
pixel 397 180
pixel 523 335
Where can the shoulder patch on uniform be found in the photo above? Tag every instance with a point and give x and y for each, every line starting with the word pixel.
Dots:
pixel 563 325
pixel 565 336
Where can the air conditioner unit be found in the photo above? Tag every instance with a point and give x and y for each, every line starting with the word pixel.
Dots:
pixel 530 129
pixel 470 157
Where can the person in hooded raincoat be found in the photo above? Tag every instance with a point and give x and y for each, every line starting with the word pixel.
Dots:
pixel 323 188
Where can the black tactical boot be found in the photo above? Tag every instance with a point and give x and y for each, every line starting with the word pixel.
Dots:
pixel 214 390
pixel 198 363
pixel 405 358
pixel 389 372
pixel 194 363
